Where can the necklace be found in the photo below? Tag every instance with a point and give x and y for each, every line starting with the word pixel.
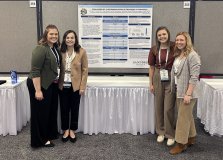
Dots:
pixel 69 54
pixel 176 64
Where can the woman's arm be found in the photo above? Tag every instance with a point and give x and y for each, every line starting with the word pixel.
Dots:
pixel 188 94
pixel 151 62
pixel 37 86
pixel 84 74
pixel 62 71
pixel 38 58
pixel 151 74
pixel 194 64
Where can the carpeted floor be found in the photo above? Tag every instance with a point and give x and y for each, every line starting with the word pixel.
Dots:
pixel 110 147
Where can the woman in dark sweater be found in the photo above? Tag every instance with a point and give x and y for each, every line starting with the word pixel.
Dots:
pixel 43 89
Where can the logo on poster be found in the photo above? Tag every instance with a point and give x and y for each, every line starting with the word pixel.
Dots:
pixel 83 11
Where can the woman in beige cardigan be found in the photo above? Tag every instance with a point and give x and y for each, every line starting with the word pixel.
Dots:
pixel 72 83
pixel 184 79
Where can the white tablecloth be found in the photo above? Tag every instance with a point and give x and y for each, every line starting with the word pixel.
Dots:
pixel 110 105
pixel 210 105
pixel 14 106
pixel 117 105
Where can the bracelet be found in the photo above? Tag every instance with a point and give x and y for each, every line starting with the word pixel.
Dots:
pixel 188 95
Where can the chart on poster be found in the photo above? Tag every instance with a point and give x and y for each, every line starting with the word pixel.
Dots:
pixel 116 36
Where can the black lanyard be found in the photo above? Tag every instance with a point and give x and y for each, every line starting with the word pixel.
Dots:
pixel 55 53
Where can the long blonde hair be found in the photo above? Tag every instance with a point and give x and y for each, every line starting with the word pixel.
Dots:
pixel 188 48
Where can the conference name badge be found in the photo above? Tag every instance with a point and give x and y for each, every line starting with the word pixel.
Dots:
pixel 164 76
pixel 67 77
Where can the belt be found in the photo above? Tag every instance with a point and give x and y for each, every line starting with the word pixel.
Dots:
pixel 169 69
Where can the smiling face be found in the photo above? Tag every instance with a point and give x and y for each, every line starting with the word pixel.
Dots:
pixel 181 42
pixel 52 36
pixel 162 36
pixel 70 40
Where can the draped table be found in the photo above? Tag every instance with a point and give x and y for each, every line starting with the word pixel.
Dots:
pixel 114 104
pixel 14 106
pixel 210 105
pixel 110 105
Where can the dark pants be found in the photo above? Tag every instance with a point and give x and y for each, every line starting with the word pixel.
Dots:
pixel 43 114
pixel 69 107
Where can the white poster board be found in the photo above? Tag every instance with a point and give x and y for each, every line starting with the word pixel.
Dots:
pixel 116 36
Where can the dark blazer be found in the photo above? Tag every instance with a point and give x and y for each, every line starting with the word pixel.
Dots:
pixel 43 65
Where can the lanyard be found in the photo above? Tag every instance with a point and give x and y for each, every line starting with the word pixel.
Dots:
pixel 56 55
pixel 167 55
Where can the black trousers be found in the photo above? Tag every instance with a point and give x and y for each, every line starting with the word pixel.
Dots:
pixel 69 107
pixel 43 114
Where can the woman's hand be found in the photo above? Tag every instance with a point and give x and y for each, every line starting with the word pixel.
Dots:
pixel 60 87
pixel 81 92
pixel 187 99
pixel 151 88
pixel 39 95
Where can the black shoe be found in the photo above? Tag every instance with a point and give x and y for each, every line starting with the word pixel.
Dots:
pixel 65 139
pixel 49 145
pixel 73 140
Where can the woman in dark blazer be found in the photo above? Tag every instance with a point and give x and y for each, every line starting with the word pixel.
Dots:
pixel 42 83
pixel 72 83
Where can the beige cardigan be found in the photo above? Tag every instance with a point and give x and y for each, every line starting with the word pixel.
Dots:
pixel 79 71
pixel 189 71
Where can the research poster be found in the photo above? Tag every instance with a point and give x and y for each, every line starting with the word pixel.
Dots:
pixel 116 36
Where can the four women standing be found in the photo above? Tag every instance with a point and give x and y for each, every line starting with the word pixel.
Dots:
pixel 70 70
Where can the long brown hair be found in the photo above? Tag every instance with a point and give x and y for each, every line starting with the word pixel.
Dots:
pixel 189 46
pixel 158 42
pixel 43 40
pixel 64 46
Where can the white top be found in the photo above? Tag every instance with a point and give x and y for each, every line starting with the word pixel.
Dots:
pixel 176 64
pixel 69 60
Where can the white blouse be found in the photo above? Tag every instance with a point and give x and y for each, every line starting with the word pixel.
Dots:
pixel 176 65
pixel 69 59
